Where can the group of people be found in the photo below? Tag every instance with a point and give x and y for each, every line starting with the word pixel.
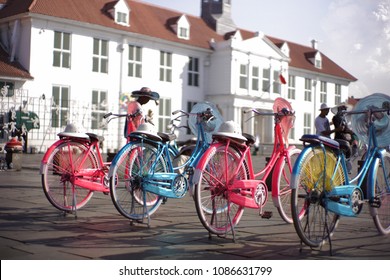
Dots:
pixel 342 133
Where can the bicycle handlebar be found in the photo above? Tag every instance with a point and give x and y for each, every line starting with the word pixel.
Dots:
pixel 282 113
pixel 371 111
pixel 110 116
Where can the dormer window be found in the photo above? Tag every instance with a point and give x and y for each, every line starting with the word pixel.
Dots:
pixel 315 58
pixel 122 18
pixel 119 11
pixel 181 26
pixel 183 32
pixel 285 49
pixel 318 60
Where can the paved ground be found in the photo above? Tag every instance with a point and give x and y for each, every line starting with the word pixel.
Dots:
pixel 31 229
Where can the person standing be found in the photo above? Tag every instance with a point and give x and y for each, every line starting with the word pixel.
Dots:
pixel 344 132
pixel 321 122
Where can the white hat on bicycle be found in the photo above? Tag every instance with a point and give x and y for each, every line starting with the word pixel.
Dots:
pixel 230 129
pixel 149 130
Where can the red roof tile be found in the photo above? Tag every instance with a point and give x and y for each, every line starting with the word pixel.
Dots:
pixel 300 55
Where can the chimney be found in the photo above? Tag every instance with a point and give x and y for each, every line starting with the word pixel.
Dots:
pixel 314 44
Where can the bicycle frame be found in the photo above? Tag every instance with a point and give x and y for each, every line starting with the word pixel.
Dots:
pixel 161 183
pixel 280 151
pixel 243 192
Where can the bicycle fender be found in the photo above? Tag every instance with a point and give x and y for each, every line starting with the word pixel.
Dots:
pixel 48 153
pixel 298 165
pixel 275 180
pixel 202 161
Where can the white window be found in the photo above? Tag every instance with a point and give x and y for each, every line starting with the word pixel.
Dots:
pixel 323 92
pixel 135 62
pixel 318 60
pixel 306 123
pixel 100 56
pixel 244 76
pixel 291 87
pixel 99 108
pixel 60 106
pixel 61 52
pixel 165 66
pixel 307 89
pixel 193 72
pixel 266 80
pixel 121 17
pixel 276 83
pixel 255 78
pixel 337 94
pixel 164 114
pixel 183 33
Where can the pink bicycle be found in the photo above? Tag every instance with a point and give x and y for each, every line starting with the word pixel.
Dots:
pixel 226 182
pixel 73 168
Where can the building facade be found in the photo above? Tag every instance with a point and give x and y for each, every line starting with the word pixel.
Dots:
pixel 74 61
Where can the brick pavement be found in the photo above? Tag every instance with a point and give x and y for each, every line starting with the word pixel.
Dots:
pixel 31 229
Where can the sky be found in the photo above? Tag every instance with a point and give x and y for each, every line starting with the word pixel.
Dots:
pixel 355 34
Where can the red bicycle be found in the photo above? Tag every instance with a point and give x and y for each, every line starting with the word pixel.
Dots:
pixel 73 168
pixel 226 182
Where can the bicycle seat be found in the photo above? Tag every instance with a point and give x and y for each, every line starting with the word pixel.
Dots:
pixel 315 139
pixel 73 135
pixel 95 137
pixel 250 138
pixel 167 137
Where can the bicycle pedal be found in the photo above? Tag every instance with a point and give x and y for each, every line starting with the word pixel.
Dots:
pixel 266 215
pixel 375 202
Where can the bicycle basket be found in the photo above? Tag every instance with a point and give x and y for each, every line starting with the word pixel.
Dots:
pixel 286 122
pixel 381 121
pixel 208 127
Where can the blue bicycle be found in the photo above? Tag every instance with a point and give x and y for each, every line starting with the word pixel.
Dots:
pixel 320 184
pixel 143 174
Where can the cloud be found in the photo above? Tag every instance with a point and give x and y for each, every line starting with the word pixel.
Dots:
pixel 358 35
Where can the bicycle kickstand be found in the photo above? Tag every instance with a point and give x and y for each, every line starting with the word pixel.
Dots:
pixel 232 227
pixel 328 233
pixel 74 202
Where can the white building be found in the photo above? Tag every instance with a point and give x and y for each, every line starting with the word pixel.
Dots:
pixel 73 61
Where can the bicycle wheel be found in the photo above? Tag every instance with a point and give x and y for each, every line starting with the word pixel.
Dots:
pixel 310 182
pixel 281 196
pixel 380 210
pixel 65 159
pixel 133 163
pixel 214 210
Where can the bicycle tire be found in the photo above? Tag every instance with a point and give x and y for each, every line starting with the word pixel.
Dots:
pixel 281 197
pixel 57 173
pixel 132 162
pixel 380 210
pixel 307 182
pixel 216 213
